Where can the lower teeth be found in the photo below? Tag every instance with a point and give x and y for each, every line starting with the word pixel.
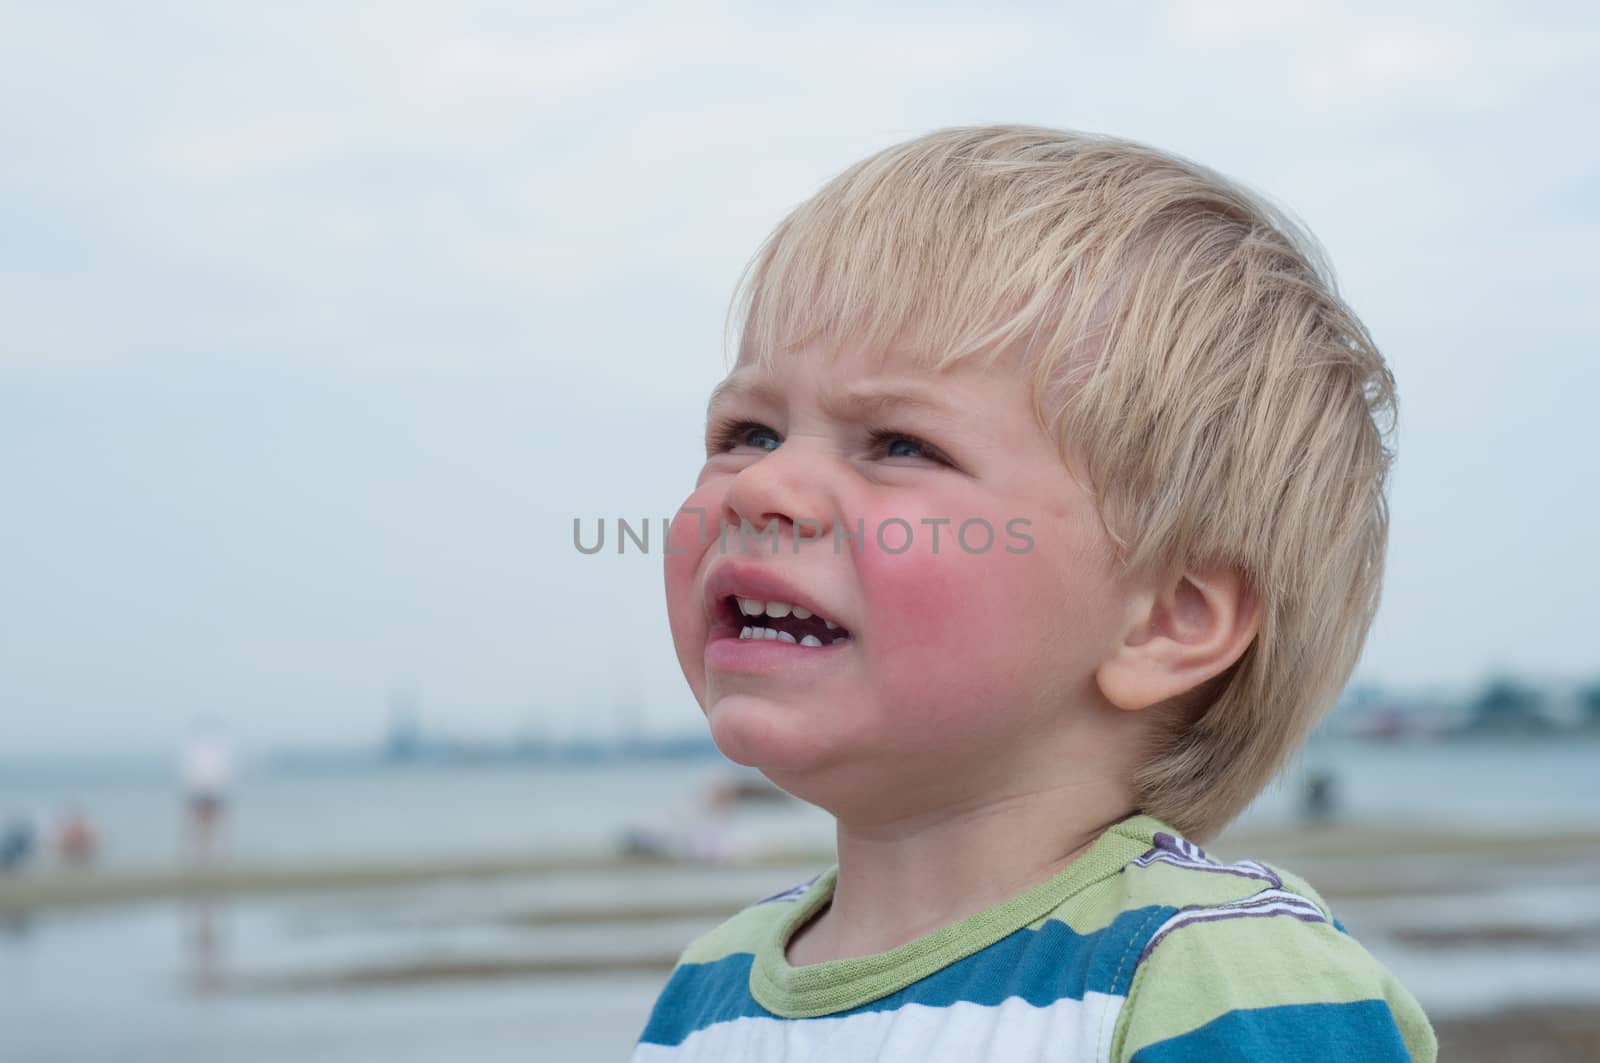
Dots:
pixel 768 634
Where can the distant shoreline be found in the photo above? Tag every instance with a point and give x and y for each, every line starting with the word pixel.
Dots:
pixel 28 893
pixel 51 768
pixel 1300 848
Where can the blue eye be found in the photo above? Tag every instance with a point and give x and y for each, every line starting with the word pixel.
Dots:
pixel 754 432
pixel 729 434
pixel 725 435
pixel 895 444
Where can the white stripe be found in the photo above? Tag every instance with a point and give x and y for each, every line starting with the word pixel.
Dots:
pixel 1267 902
pixel 1244 868
pixel 1273 908
pixel 1014 1031
pixel 1255 900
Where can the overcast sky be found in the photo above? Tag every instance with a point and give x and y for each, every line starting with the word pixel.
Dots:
pixel 319 323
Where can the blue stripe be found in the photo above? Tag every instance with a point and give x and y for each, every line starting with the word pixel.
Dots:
pixel 1040 966
pixel 1290 1033
pixel 700 995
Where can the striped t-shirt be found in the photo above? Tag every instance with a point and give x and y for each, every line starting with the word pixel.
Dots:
pixel 1144 950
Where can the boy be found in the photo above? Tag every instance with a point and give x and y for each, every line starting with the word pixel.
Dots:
pixel 1042 516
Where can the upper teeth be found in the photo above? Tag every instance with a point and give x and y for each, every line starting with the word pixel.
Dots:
pixel 756 607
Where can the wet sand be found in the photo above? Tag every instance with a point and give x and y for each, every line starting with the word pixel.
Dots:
pixel 1339 860
pixel 1522 1035
pixel 26 893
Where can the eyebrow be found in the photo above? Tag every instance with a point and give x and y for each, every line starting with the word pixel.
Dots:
pixel 861 400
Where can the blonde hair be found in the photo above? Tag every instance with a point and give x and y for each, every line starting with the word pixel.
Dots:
pixel 1187 348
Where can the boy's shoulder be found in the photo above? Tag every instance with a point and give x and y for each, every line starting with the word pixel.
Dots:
pixel 1246 953
pixel 743 932
pixel 1175 873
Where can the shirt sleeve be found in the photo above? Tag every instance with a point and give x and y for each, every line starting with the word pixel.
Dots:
pixel 1261 981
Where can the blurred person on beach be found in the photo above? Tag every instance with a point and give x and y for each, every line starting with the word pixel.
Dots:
pixel 76 840
pixel 1319 797
pixel 704 830
pixel 18 841
pixel 1042 515
pixel 207 772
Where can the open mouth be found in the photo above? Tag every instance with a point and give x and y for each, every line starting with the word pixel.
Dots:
pixel 781 622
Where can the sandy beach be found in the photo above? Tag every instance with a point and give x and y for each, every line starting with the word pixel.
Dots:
pixel 1341 861
pixel 36 893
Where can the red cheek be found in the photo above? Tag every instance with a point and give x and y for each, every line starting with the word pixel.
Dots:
pixel 988 620
pixel 683 554
pixel 916 597
pixel 944 587
pixel 942 641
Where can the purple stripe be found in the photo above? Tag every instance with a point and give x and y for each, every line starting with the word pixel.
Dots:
pixel 1267 902
pixel 1245 869
pixel 1266 897
pixel 1183 853
pixel 1247 913
pixel 1182 846
pixel 792 892
pixel 1254 905
pixel 1275 908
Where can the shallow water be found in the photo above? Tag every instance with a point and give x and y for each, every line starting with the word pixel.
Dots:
pixel 403 814
pixel 250 979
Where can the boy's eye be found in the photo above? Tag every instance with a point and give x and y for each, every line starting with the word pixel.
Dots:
pixel 895 444
pixel 898 446
pixel 724 436
pixel 729 434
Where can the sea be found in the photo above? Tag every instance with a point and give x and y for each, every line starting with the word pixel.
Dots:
pixel 397 813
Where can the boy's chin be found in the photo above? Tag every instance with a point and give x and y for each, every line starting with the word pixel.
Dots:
pixel 793 753
pixel 772 738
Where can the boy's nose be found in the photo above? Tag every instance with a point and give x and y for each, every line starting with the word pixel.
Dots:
pixel 787 486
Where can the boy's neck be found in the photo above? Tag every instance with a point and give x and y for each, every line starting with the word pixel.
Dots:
pixel 899 881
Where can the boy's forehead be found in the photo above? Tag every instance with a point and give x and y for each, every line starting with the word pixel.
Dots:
pixel 832 356
pixel 846 380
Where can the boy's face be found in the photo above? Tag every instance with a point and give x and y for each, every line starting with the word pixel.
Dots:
pixel 967 646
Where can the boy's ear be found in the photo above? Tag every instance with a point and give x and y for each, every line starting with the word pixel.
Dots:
pixel 1182 632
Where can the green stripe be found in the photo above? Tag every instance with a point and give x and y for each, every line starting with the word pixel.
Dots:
pixel 1203 971
pixel 818 989
pixel 739 934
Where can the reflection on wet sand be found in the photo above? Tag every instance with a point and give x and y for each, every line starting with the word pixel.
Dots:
pixel 202 927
